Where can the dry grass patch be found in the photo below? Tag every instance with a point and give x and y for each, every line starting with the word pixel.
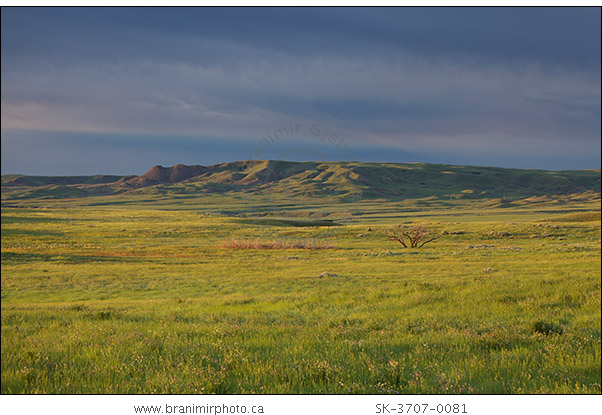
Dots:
pixel 274 244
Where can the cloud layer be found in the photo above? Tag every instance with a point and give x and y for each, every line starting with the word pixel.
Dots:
pixel 456 85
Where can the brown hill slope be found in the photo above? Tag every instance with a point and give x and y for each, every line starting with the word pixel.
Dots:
pixel 162 175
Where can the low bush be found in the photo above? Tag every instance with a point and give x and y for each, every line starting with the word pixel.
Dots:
pixel 545 328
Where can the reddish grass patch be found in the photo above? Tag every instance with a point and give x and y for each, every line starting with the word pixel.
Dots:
pixel 274 244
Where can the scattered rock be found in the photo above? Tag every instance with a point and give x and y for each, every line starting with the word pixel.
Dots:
pixel 328 274
pixel 547 225
pixel 497 234
pixel 446 232
pixel 489 269
pixel 389 253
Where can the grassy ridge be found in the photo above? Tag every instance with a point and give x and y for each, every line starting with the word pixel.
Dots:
pixel 339 181
pixel 122 294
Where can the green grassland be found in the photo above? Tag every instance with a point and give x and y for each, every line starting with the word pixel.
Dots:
pixel 135 292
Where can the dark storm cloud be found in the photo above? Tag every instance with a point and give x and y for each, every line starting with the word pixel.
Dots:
pixel 551 36
pixel 473 83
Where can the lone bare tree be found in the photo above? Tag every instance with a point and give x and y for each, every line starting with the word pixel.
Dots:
pixel 414 236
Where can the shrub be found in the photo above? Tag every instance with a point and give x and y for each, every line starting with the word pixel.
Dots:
pixel 545 328
pixel 104 315
pixel 415 236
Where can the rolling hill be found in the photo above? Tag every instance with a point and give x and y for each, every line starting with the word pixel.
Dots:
pixel 343 180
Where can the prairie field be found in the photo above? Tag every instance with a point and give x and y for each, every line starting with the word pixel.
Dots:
pixel 292 201
pixel 218 294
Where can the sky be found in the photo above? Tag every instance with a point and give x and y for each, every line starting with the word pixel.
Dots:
pixel 118 90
